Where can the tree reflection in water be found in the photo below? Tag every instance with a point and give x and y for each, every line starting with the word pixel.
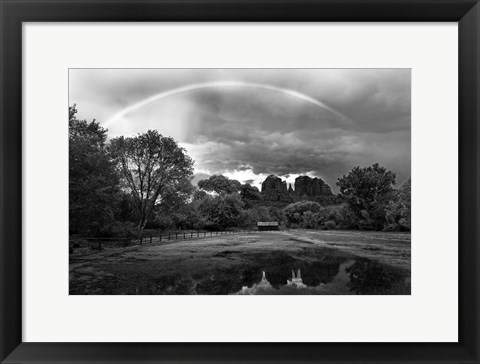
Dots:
pixel 313 273
pixel 369 277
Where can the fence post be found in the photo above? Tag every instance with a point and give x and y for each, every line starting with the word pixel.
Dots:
pixel 150 239
pixel 160 238
pixel 184 234
pixel 99 244
pixel 198 234
pixel 191 235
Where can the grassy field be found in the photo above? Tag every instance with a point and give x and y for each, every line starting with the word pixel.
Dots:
pixel 329 262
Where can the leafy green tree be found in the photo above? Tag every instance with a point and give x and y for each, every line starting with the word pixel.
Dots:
pixel 175 200
pixel 249 194
pixel 93 180
pixel 199 195
pixel 295 213
pixel 276 214
pixel 219 184
pixel 309 220
pixel 152 166
pixel 222 211
pixel 251 216
pixel 398 210
pixel 176 196
pixel 367 191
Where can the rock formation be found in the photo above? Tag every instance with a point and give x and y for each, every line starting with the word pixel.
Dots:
pixel 311 187
pixel 273 188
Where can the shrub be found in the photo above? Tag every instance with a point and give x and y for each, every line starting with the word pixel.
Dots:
pixel 116 230
pixel 295 212
pixel 330 225
pixel 310 220
pixel 223 210
pixel 163 222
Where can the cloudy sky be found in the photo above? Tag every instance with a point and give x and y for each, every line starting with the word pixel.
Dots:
pixel 249 123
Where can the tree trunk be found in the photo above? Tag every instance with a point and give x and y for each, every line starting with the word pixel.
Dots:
pixel 140 227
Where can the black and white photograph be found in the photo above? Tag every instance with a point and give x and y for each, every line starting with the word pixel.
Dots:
pixel 239 181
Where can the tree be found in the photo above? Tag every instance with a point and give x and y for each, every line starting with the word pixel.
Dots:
pixel 199 195
pixel 296 213
pixel 176 196
pixel 174 200
pixel 93 180
pixel 222 211
pixel 249 194
pixel 251 216
pixel 219 184
pixel 398 210
pixel 151 165
pixel 367 191
pixel 369 277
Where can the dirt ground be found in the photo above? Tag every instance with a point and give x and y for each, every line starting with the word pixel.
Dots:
pixel 378 263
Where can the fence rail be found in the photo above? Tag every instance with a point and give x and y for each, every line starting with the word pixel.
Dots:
pixel 161 237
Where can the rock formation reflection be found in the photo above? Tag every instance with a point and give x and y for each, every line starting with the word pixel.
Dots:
pixel 283 274
pixel 359 276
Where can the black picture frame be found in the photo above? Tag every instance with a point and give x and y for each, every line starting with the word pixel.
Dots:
pixel 14 12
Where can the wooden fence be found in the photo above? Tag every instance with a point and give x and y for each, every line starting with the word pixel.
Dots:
pixel 161 237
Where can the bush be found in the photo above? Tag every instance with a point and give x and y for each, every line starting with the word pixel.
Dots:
pixel 310 215
pixel 116 230
pixel 310 220
pixel 295 213
pixel 251 216
pixel 330 225
pixel 222 211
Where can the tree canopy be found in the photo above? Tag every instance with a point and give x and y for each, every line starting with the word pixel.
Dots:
pixel 398 209
pixel 366 190
pixel 220 184
pixel 93 180
pixel 151 166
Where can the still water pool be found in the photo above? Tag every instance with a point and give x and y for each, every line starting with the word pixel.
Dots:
pixel 285 276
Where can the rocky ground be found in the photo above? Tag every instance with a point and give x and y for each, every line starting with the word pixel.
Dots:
pixel 371 263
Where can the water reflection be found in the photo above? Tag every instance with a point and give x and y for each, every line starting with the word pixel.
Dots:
pixel 296 285
pixel 359 276
pixel 281 273
pixel 369 277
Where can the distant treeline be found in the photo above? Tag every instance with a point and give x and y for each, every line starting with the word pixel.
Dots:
pixel 122 186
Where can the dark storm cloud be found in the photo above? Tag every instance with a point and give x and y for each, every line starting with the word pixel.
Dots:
pixel 241 129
